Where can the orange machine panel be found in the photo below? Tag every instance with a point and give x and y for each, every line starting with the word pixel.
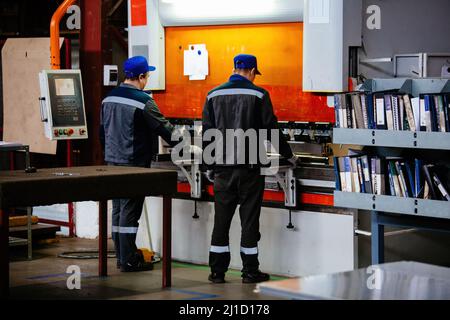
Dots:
pixel 279 50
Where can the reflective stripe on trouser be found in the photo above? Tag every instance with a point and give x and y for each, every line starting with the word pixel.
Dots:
pixel 125 216
pixel 233 187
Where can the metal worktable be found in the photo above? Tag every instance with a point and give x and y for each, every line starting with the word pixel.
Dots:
pixel 98 183
pixel 393 281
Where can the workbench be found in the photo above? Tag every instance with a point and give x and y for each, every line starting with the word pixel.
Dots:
pixel 392 281
pixel 96 183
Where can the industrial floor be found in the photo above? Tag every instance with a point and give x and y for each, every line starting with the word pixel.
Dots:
pixel 45 277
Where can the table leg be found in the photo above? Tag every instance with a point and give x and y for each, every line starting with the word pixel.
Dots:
pixel 167 242
pixel 4 254
pixel 29 233
pixel 103 239
pixel 377 240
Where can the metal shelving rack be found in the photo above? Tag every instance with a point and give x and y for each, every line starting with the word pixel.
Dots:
pixel 389 210
pixel 397 205
pixel 12 147
pixel 393 139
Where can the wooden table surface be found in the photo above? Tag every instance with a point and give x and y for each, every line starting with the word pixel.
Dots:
pixel 95 183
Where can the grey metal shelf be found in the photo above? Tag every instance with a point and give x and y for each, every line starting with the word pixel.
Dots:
pixel 15 242
pixel 394 139
pixel 410 86
pixel 407 206
pixel 374 85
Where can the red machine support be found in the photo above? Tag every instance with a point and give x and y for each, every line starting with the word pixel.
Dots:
pixel 94 53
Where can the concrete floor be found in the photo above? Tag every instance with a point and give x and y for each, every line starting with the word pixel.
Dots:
pixel 45 277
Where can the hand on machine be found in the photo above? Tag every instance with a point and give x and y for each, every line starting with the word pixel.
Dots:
pixel 295 161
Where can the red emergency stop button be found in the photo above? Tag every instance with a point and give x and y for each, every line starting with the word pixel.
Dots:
pixel 56 132
pixel 70 132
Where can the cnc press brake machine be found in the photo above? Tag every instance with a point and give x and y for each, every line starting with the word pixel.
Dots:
pixel 298 214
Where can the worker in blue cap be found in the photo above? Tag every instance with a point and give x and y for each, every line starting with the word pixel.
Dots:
pixel 130 123
pixel 239 105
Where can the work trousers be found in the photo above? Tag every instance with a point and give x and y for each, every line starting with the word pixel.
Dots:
pixel 125 223
pixel 233 186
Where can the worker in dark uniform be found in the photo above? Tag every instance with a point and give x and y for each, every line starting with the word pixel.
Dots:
pixel 239 104
pixel 130 124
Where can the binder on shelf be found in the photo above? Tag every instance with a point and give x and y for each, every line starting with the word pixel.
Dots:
pixel 366 173
pixel 402 180
pixel 361 175
pixel 389 112
pixel 337 175
pixel 409 176
pixel 409 112
pixel 439 103
pixel 348 174
pixel 364 108
pixel 443 191
pixel 418 178
pixel 434 115
pixel 380 112
pixel 446 99
pixel 356 186
pixel 415 103
pixel 370 111
pixel 395 179
pixel 342 176
pixel 349 111
pixel 357 108
pixel 429 181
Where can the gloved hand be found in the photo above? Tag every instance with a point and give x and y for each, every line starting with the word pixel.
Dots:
pixel 210 175
pixel 196 151
pixel 295 161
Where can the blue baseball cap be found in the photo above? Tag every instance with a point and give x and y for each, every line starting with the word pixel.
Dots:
pixel 136 66
pixel 246 61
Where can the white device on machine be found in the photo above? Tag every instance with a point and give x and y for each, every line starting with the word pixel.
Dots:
pixel 62 104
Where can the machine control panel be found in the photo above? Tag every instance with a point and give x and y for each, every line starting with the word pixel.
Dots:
pixel 62 104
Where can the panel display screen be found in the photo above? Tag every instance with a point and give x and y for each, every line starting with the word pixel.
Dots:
pixel 66 100
pixel 64 87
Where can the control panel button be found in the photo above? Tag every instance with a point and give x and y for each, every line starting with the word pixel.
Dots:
pixel 70 132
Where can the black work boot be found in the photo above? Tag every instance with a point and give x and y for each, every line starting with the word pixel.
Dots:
pixel 137 264
pixel 254 277
pixel 217 277
pixel 136 267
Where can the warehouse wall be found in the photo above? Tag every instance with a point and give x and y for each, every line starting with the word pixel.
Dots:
pixel 407 26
